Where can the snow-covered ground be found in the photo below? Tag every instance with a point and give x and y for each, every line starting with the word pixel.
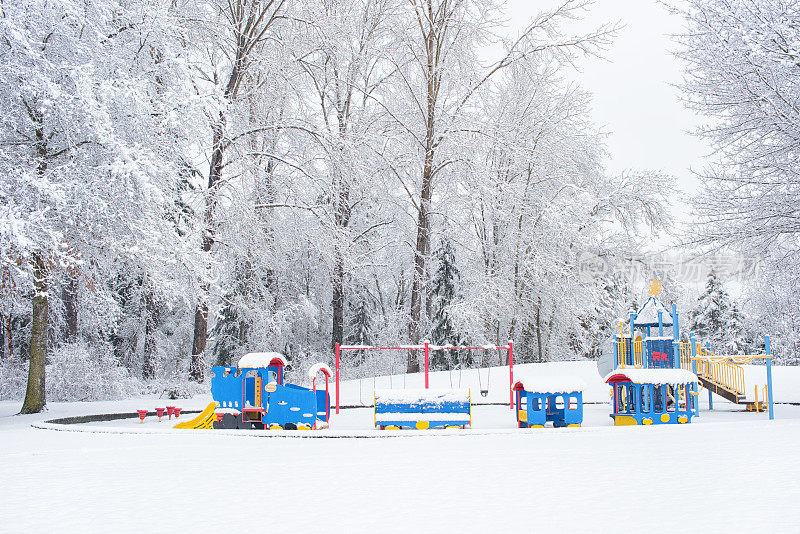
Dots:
pixel 728 471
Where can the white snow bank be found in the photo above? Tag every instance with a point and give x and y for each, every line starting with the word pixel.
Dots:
pixel 316 368
pixel 421 395
pixel 654 376
pixel 551 384
pixel 254 360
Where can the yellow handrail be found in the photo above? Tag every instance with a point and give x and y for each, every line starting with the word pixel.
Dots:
pixel 685 350
pixel 637 354
pixel 721 370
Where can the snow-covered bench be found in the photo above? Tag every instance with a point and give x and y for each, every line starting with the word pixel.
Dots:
pixel 422 408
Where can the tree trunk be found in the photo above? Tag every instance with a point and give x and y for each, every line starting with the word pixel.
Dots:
pixel 432 85
pixel 199 344
pixel 338 300
pixel 539 331
pixel 148 363
pixel 201 311
pixel 3 353
pixel 69 295
pixel 422 246
pixel 35 393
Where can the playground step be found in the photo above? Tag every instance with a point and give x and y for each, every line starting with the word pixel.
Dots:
pixel 722 391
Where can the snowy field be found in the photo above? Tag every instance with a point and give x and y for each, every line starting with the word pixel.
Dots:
pixel 728 471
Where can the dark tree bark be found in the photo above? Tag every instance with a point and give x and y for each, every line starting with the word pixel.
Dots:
pixel 434 28
pixel 3 352
pixel 149 364
pixel 35 392
pixel 249 22
pixel 69 295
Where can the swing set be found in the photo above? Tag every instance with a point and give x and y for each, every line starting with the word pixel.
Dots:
pixel 427 348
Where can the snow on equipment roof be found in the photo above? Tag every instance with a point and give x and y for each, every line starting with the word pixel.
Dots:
pixel 254 360
pixel 648 315
pixel 316 368
pixel 650 376
pixel 550 384
pixel 421 395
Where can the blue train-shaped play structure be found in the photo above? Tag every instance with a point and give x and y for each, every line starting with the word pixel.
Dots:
pixel 253 395
pixel 549 399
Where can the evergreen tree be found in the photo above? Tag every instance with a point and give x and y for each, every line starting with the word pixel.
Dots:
pixel 360 326
pixel 444 295
pixel 718 320
pixel 229 333
pixel 737 337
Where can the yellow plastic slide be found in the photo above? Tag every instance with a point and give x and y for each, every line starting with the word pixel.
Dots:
pixel 203 421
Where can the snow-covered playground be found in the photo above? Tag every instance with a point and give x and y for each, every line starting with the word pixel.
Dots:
pixel 728 471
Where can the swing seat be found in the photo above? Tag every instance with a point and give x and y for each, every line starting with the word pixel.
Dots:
pixel 484 392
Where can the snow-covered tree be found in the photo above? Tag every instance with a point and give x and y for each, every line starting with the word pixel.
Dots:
pixel 237 36
pixel 84 184
pixel 743 73
pixel 707 319
pixel 444 292
pixel 717 318
pixel 438 102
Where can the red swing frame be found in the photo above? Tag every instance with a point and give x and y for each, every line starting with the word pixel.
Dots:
pixel 427 347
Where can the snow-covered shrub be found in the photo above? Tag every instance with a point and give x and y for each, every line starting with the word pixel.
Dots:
pixel 76 374
pixel 13 378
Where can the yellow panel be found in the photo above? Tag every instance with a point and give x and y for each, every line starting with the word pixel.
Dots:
pixel 573 426
pixel 422 425
pixel 536 426
pixel 624 420
pixel 683 419
pixel 257 396
pixel 392 427
pixel 523 415
pixel 647 421
pixel 665 418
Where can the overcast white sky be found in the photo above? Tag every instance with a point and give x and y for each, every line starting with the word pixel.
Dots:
pixel 634 100
pixel 634 97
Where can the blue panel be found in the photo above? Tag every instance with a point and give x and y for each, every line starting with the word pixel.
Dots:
pixel 422 407
pixel 290 405
pixel 659 353
pixel 536 409
pixel 226 390
pixel 323 405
